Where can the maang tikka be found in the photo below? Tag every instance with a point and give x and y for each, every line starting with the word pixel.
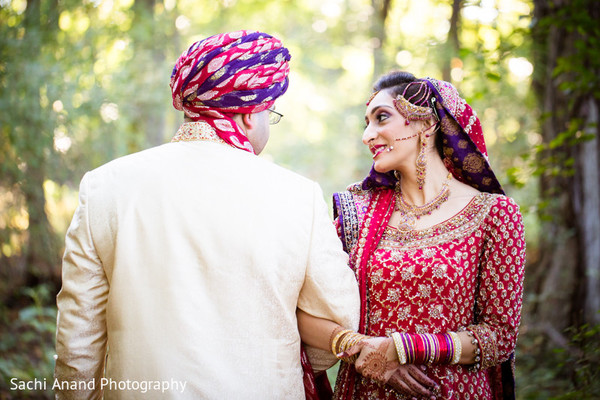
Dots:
pixel 416 107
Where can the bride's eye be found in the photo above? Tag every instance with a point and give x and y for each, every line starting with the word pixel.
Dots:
pixel 381 117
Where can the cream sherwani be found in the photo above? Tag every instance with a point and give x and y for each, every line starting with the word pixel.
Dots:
pixel 184 266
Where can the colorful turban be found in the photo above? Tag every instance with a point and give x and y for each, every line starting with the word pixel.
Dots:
pixel 465 153
pixel 237 72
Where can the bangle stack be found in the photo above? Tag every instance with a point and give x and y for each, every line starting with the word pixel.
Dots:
pixel 425 348
pixel 344 339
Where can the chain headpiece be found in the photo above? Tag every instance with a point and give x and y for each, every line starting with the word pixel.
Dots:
pixel 415 107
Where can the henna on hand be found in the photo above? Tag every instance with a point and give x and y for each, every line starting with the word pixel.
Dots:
pixel 374 361
pixel 412 380
pixel 374 366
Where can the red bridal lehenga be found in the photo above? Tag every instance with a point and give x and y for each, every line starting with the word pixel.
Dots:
pixel 464 272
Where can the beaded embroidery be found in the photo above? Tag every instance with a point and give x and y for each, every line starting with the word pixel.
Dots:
pixel 193 131
pixel 410 111
pixel 424 281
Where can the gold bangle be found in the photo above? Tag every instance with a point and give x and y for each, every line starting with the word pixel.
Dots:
pixel 334 332
pixel 344 342
pixel 335 340
pixel 353 338
pixel 399 347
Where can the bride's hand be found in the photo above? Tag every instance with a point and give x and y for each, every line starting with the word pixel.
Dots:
pixel 378 361
pixel 411 380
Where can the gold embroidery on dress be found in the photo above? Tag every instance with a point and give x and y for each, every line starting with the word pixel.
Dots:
pixel 473 163
pixel 199 130
pixel 462 224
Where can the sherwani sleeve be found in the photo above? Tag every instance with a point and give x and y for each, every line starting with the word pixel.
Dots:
pixel 330 290
pixel 81 324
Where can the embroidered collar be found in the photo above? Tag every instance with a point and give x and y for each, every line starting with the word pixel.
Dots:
pixel 199 130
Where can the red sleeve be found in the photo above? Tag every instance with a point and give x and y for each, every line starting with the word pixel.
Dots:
pixel 499 298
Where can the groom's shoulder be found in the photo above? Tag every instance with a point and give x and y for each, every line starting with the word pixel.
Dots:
pixel 281 174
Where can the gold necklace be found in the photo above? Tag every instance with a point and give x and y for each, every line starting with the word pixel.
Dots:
pixel 409 213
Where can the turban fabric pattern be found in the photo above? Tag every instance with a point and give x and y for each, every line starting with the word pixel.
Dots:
pixel 229 73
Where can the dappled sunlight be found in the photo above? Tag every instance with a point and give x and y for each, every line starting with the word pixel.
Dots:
pixel 77 22
pixel 62 143
pixel 109 112
pixel 332 8
pixel 520 67
pixel 485 12
pixel 418 23
pixel 58 106
pixel 14 219
pixel 489 119
pixel 183 23
pixel 61 202
pixel 489 37
pixel 358 63
pixel 509 128
pixel 305 102
pixel 19 6
pixel 319 26
pixel 14 215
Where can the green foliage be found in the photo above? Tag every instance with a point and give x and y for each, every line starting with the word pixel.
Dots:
pixel 582 66
pixel 27 343
pixel 585 364
pixel 563 373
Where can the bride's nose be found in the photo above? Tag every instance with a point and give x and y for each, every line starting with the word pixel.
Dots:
pixel 369 134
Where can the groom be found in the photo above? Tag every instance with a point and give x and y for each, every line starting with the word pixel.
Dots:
pixel 185 263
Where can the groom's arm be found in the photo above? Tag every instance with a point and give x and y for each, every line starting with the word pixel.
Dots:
pixel 81 325
pixel 330 290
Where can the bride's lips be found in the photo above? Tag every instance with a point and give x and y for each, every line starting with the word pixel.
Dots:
pixel 377 149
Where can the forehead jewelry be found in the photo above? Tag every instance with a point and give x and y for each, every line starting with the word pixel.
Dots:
pixel 372 97
pixel 414 111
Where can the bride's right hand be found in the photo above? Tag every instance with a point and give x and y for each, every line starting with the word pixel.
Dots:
pixel 378 360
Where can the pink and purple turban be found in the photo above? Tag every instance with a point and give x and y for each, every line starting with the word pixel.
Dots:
pixel 230 73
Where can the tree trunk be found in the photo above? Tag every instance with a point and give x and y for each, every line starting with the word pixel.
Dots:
pixel 565 281
pixel 453 44
pixel 147 39
pixel 41 250
pixel 381 10
pixel 587 211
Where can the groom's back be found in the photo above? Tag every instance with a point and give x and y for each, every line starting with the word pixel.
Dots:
pixel 206 249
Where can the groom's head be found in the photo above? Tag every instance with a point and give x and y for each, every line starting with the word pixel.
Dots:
pixel 230 81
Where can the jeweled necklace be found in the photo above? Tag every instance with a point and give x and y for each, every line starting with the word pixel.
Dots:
pixel 411 213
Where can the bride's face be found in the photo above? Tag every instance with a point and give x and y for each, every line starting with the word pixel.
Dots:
pixel 392 143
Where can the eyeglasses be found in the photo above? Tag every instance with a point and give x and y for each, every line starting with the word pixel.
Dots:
pixel 274 117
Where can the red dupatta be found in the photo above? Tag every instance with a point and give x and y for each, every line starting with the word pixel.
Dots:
pixel 379 212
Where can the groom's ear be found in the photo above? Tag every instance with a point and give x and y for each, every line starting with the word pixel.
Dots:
pixel 249 121
pixel 245 121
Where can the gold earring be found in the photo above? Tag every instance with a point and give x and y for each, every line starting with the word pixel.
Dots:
pixel 421 162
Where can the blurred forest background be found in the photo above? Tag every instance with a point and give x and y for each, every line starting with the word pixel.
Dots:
pixel 85 81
